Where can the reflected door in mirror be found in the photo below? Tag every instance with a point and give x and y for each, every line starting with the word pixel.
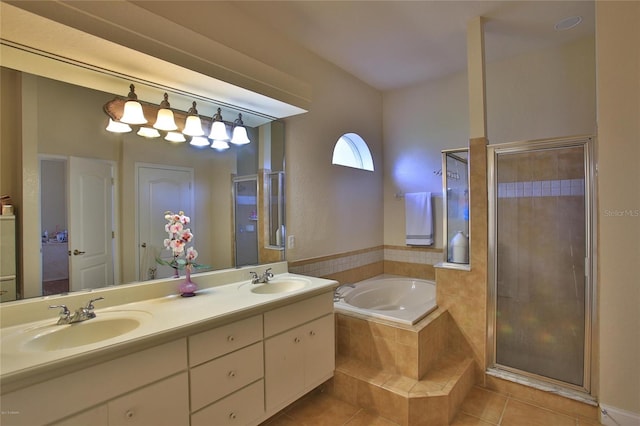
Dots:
pixel 160 189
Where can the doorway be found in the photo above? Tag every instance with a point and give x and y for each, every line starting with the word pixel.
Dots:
pixel 77 223
pixel 245 208
pixel 160 189
pixel 541 292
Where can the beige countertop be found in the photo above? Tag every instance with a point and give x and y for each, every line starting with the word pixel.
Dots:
pixel 161 319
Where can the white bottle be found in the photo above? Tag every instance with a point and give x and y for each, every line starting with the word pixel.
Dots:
pixel 460 248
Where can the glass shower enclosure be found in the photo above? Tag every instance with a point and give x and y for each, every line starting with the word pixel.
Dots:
pixel 540 243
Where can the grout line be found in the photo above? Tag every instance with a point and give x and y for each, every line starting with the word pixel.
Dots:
pixel 504 410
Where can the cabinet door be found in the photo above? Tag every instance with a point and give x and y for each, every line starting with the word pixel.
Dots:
pixel 284 368
pixel 319 345
pixel 164 403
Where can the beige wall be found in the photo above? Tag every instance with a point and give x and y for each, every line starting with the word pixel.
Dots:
pixel 618 85
pixel 558 99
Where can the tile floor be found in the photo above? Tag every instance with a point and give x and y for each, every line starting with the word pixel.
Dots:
pixel 480 408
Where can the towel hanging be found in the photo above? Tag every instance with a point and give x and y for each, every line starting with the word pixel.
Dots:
pixel 419 219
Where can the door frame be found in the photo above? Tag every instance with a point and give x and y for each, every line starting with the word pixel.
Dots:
pixel 591 320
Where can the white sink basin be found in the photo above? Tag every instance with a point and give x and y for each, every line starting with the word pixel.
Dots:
pixel 52 337
pixel 284 285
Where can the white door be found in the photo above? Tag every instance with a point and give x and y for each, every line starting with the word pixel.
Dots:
pixel 90 224
pixel 160 189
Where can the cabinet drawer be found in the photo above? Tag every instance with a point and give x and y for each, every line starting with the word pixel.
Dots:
pixel 244 407
pixel 222 340
pixel 222 376
pixel 281 319
pixel 164 403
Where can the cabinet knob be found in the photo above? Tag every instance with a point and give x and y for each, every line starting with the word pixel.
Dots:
pixel 312 333
pixel 129 414
pixel 232 373
pixel 232 416
pixel 296 340
pixel 230 338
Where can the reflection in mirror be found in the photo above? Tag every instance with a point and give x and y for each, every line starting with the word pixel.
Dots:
pixel 455 188
pixel 103 195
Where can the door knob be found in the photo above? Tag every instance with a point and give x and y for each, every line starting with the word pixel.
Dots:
pixel 143 245
pixel 77 252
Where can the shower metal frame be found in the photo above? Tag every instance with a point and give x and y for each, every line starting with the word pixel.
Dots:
pixel 590 342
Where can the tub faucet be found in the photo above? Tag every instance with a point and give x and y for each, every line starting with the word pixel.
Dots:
pixel 336 293
pixel 264 278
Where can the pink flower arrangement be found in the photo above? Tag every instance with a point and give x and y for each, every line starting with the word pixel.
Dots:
pixel 179 237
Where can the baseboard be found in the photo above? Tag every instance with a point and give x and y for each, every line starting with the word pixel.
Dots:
pixel 612 416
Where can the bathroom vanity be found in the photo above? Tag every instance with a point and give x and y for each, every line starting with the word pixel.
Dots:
pixel 235 354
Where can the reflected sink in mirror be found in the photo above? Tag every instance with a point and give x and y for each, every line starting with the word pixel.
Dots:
pixel 279 286
pixel 52 337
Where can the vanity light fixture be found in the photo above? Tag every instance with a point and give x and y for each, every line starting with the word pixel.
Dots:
pixel 218 128
pixel 133 109
pixel 175 125
pixel 117 127
pixel 199 141
pixel 193 126
pixel 239 132
pixel 148 132
pixel 176 137
pixel 165 120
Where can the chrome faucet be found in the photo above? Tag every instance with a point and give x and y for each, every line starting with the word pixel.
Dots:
pixel 336 293
pixel 264 278
pixel 81 314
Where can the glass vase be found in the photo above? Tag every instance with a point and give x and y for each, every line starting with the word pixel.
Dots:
pixel 187 288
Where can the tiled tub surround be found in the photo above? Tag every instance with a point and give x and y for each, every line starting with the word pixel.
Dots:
pixel 358 265
pixel 411 375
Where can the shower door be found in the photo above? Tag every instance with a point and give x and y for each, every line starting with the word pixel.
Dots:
pixel 541 250
pixel 245 208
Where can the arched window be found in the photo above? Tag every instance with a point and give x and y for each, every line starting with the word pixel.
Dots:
pixel 352 151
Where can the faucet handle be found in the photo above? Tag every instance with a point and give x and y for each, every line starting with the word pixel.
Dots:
pixel 65 314
pixel 64 311
pixel 90 304
pixel 268 273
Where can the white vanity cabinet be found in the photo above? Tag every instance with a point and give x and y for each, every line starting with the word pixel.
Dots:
pixel 226 372
pixel 299 349
pixel 142 388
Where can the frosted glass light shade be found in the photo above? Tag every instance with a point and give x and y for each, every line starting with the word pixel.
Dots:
pixel 219 131
pixel 165 120
pixel 175 137
pixel 220 145
pixel 148 132
pixel 240 136
pixel 193 126
pixel 199 141
pixel 133 113
pixel 117 127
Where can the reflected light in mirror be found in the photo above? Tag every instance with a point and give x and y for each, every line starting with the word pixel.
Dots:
pixel 199 141
pixel 219 145
pixel 117 127
pixel 175 137
pixel 148 132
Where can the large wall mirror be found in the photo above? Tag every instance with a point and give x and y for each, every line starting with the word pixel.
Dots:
pixel 64 124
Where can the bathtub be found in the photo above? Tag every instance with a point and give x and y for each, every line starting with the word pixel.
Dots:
pixel 394 298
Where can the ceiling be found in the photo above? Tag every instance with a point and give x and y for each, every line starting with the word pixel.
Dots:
pixel 395 44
